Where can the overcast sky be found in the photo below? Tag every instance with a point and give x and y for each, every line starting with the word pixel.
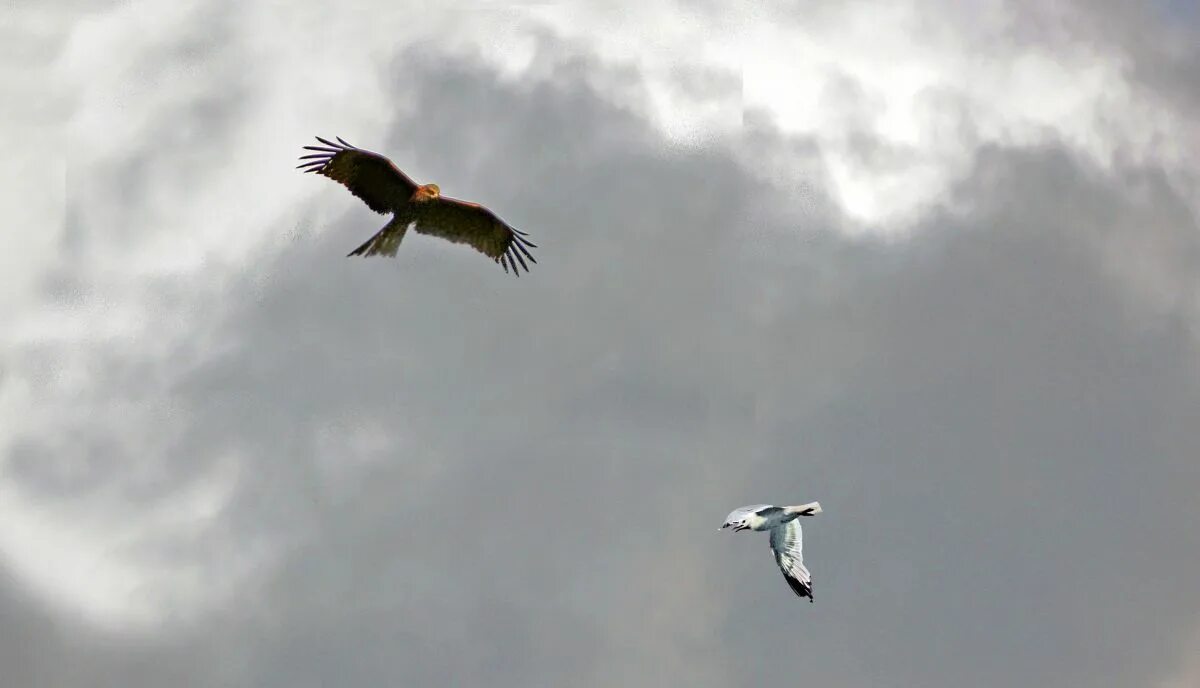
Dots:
pixel 935 264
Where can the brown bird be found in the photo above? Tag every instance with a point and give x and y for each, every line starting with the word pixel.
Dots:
pixel 385 189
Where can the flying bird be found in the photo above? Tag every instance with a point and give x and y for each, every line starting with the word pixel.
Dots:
pixel 786 539
pixel 385 189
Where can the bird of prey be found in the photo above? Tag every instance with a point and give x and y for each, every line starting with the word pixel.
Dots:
pixel 385 189
pixel 786 538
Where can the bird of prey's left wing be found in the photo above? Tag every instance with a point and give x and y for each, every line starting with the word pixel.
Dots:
pixel 469 223
pixel 787 541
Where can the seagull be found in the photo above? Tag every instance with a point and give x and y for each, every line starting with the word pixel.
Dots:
pixel 786 539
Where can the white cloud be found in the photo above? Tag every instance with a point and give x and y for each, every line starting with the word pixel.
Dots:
pixel 936 92
pixel 114 566
pixel 929 86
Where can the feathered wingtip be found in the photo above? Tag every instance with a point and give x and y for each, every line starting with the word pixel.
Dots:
pixel 519 246
pixel 799 587
pixel 317 161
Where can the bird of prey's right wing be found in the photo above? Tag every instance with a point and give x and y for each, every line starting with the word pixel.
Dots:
pixel 370 176
pixel 787 542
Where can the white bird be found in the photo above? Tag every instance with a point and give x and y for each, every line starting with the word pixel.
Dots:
pixel 786 538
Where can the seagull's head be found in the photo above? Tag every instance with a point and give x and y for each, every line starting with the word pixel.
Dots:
pixel 735 525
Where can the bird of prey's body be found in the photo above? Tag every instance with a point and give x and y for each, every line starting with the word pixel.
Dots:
pixel 786 538
pixel 385 189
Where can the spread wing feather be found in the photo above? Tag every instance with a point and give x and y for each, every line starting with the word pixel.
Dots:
pixel 470 223
pixel 370 176
pixel 787 542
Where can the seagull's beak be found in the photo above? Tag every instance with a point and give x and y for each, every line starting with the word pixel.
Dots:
pixel 722 527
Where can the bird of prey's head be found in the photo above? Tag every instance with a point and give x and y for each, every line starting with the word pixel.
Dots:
pixel 426 192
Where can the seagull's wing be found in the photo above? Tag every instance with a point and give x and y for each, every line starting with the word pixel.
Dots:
pixel 787 542
pixel 742 512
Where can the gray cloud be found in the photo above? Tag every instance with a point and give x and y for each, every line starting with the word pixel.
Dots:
pixel 1157 39
pixel 1000 428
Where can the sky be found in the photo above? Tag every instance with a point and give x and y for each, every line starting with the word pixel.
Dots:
pixel 934 264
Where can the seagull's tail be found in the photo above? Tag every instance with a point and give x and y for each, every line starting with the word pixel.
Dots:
pixel 810 509
pixel 385 242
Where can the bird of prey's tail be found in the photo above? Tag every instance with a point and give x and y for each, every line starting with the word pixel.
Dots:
pixel 385 242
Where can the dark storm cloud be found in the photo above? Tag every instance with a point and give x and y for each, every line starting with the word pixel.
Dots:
pixel 468 479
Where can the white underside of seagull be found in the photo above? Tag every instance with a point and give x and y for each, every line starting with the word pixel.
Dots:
pixel 787 540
